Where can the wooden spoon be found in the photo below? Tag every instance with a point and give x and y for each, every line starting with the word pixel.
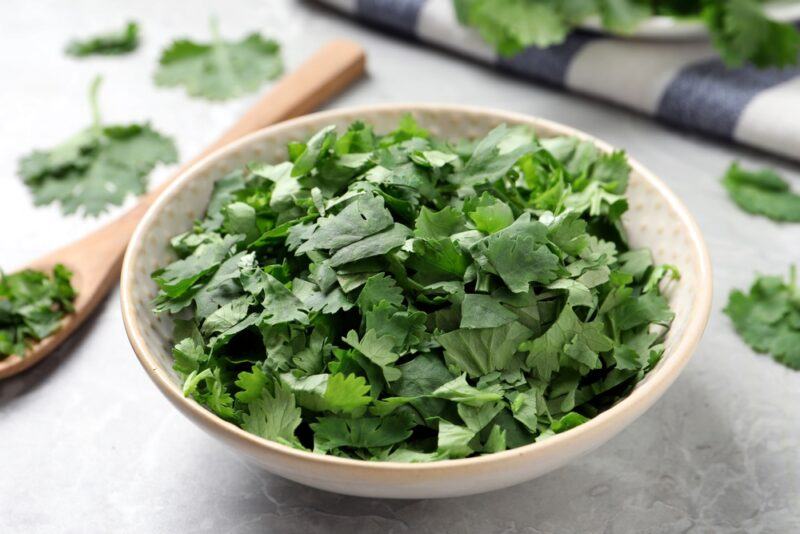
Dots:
pixel 97 258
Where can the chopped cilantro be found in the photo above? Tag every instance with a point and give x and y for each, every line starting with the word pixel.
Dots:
pixel 97 167
pixel 221 69
pixel 768 317
pixel 762 193
pixel 106 44
pixel 32 305
pixel 399 297
pixel 741 31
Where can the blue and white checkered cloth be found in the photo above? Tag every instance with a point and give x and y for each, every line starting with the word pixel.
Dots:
pixel 681 83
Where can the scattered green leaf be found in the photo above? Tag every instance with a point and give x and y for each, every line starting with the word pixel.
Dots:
pixel 98 167
pixel 768 317
pixel 221 69
pixel 106 44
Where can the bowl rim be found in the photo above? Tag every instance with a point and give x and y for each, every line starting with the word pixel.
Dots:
pixel 645 393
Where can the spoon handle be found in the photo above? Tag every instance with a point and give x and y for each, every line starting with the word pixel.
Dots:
pixel 96 259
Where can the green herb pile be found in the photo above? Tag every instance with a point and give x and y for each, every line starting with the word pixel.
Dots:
pixel 107 44
pixel 741 31
pixel 762 193
pixel 401 298
pixel 768 317
pixel 221 69
pixel 97 167
pixel 32 305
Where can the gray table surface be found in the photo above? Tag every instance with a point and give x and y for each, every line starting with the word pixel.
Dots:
pixel 87 443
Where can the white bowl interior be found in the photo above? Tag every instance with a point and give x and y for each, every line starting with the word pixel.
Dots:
pixel 656 219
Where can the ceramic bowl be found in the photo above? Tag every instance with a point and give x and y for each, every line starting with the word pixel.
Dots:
pixel 657 219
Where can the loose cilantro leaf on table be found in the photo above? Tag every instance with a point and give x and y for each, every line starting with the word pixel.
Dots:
pixel 221 69
pixel 768 317
pixel 762 193
pixel 742 33
pixel 97 167
pixel 399 297
pixel 740 29
pixel 107 44
pixel 32 305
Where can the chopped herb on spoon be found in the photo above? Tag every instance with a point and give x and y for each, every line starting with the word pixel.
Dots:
pixel 32 305
pixel 399 297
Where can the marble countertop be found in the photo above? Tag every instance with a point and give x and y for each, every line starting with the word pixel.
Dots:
pixel 90 445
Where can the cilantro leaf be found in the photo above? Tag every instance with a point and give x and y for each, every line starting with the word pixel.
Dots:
pixel 458 390
pixel 366 432
pixel 364 217
pixel 544 352
pixel 511 25
pixel 374 245
pixel 346 393
pixel 768 317
pixel 252 384
pixel 481 351
pixel 762 193
pixel 379 288
pixel 221 69
pixel 484 311
pixel 495 155
pixel 568 421
pixel 649 308
pixel 315 300
pixel 378 350
pixel 97 167
pixel 519 261
pixel 280 304
pixel 453 440
pixel 439 224
pixel 274 416
pixel 106 44
pixel 478 417
pixel 337 393
pixel 180 276
pixel 493 217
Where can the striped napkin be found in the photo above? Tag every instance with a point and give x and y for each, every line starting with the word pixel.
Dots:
pixel 682 83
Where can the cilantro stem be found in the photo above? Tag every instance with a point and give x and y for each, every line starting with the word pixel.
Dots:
pixel 221 53
pixel 213 23
pixel 614 329
pixel 93 104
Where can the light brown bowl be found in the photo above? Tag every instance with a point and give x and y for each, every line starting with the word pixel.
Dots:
pixel 657 219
